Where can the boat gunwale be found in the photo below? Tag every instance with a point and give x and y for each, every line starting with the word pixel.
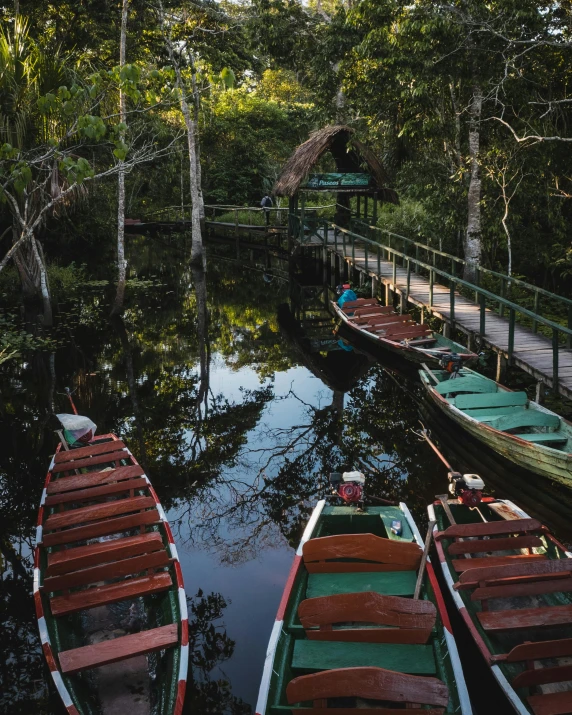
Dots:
pixel 177 589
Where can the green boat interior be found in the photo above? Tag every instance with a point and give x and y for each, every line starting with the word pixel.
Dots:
pixel 107 583
pixel 516 584
pixel 511 412
pixel 352 607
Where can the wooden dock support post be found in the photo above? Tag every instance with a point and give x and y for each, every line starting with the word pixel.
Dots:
pixel 388 295
pixel 374 287
pixel 540 392
pixel 446 330
pixel 501 367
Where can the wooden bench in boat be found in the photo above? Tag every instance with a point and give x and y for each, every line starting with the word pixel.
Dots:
pixel 93 479
pixel 121 648
pixel 96 493
pixel 404 332
pixel 97 512
pixel 81 557
pixel 543 704
pixel 490 528
pixel 469 383
pixel 67 466
pixel 371 310
pixel 380 320
pixel 360 302
pixel 525 418
pixel 370 684
pixel 321 655
pixel 388 583
pixel 490 399
pixel 110 593
pixel 91 450
pixel 464 565
pixel 367 552
pixel 106 527
pixel 544 437
pixel 405 620
pixel 490 545
pixel 107 571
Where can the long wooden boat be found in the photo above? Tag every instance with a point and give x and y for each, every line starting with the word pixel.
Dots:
pixel 511 581
pixel 348 627
pixel 522 430
pixel 108 586
pixel 398 333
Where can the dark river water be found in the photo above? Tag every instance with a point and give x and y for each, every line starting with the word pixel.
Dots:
pixel 237 416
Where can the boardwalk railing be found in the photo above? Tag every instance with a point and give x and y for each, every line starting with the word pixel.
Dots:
pixel 498 283
pixel 346 242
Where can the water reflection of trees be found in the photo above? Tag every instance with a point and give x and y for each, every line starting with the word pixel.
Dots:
pixel 283 469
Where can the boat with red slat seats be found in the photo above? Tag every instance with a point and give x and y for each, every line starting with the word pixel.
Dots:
pixel 108 585
pixel 400 333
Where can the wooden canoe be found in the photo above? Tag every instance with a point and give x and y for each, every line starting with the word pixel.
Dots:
pixel 518 428
pixel 398 333
pixel 351 570
pixel 511 581
pixel 108 586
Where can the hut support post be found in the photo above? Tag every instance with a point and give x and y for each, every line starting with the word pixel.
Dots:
pixel 358 206
pixel 302 211
pixel 374 212
pixel 365 208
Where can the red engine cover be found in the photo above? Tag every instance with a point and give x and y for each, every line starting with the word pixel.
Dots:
pixel 350 493
pixel 471 497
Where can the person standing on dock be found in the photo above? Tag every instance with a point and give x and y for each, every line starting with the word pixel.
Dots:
pixel 266 204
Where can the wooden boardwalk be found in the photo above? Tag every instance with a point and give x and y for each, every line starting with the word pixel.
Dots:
pixel 532 352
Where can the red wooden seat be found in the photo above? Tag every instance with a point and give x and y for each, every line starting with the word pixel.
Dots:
pixel 371 553
pixel 486 545
pixel 92 656
pixel 96 512
pixel 360 302
pixel 102 552
pixel 91 450
pixel 490 528
pixel 542 676
pixel 538 650
pixel 102 528
pixel 107 572
pixel 408 331
pixel 91 461
pixel 96 492
pixel 501 571
pixel 369 683
pixel 110 593
pixel 551 703
pixel 85 481
pixel 525 618
pixel 412 620
pixel 461 565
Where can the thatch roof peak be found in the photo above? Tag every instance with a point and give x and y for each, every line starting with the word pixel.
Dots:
pixel 348 152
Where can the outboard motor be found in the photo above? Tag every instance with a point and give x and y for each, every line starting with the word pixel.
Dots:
pixel 348 486
pixel 452 363
pixel 467 488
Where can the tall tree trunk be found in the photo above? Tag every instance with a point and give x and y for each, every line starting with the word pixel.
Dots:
pixel 121 262
pixel 473 245
pixel 43 279
pixel 196 101
pixel 197 251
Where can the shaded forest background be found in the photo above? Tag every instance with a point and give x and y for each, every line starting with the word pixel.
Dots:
pixel 417 81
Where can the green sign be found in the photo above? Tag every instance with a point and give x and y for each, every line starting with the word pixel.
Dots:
pixel 336 181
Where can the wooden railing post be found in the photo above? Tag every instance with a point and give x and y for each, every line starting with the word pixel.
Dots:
pixel 366 257
pixel 431 280
pixel 483 314
pixel 452 302
pixel 408 284
pixel 511 320
pixel 344 243
pixel 535 311
pixel 503 294
pixel 416 257
pixel 555 357
pixel 394 270
pixel 378 260
pixel 353 249
pixel 569 337
pixel 336 238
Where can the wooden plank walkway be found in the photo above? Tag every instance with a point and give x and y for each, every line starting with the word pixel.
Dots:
pixel 532 351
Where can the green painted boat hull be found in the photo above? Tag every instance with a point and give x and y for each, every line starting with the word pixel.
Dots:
pixel 291 654
pixel 548 461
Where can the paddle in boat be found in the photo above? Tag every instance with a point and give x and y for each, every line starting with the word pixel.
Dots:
pixel 511 581
pixel 399 333
pixel 362 624
pixel 108 586
pixel 518 428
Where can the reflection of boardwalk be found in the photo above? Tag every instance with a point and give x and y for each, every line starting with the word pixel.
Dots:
pixel 532 352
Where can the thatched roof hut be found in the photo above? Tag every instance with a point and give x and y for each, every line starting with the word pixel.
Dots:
pixel 350 155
